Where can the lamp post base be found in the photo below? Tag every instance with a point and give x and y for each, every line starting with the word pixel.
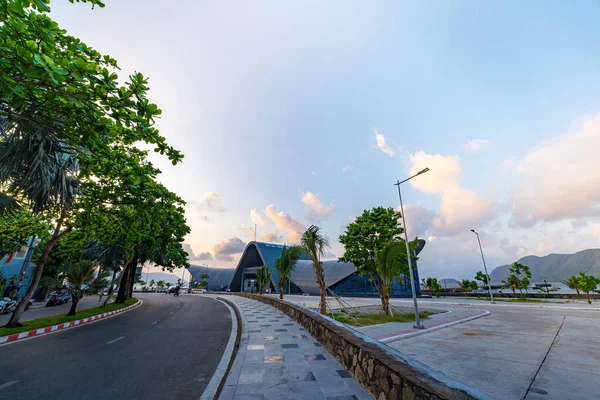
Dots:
pixel 418 326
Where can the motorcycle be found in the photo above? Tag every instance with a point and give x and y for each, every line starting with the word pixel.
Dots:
pixel 58 299
pixel 7 305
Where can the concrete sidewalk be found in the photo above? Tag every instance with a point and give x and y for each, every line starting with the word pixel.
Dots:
pixel 278 359
pixel 396 330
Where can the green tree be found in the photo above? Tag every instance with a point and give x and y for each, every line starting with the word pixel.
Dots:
pixel 315 244
pixel 15 231
pixel 391 263
pixel 161 283
pixel 465 285
pixel 286 264
pixel 587 284
pixel 433 286
pixel 521 276
pixel 573 283
pixel 168 285
pixel 512 282
pixel 483 278
pixel 152 283
pixel 263 277
pixel 365 237
pixel 67 122
pixel 78 279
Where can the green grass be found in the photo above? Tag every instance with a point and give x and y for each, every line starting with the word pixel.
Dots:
pixel 519 300
pixel 59 319
pixel 374 319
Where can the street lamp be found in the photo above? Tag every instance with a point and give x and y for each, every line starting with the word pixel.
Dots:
pixel 484 267
pixel 417 324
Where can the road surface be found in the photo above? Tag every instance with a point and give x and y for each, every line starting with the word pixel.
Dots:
pixel 166 349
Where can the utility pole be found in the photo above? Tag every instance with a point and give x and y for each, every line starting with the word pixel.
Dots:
pixel 255 232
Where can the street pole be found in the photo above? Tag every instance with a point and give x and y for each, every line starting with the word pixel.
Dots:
pixel 417 324
pixel 147 273
pixel 485 267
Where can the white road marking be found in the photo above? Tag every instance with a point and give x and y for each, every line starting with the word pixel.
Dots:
pixel 156 322
pixel 7 384
pixel 171 312
pixel 116 340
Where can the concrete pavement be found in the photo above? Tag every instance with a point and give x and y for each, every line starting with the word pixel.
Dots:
pixel 166 349
pixel 532 351
pixel 278 359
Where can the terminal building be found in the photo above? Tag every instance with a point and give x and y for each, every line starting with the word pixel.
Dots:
pixel 341 278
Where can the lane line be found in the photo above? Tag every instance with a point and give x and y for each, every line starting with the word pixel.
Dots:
pixel 7 384
pixel 116 340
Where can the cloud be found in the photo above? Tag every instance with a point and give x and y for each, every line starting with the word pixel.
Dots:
pixel 313 172
pixel 248 231
pixel 272 237
pixel 285 223
pixel 206 218
pixel 257 217
pixel 476 145
pixel 315 207
pixel 596 229
pixel 193 257
pixel 212 202
pixel 559 178
pixel 347 168
pixel 460 209
pixel 381 144
pixel 224 257
pixel 223 250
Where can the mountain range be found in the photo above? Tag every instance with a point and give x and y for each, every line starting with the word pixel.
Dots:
pixel 555 267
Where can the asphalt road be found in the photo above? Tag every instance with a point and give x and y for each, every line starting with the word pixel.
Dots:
pixel 166 349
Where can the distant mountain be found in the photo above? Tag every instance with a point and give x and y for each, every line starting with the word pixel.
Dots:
pixel 555 267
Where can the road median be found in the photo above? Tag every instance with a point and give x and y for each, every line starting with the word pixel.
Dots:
pixel 41 326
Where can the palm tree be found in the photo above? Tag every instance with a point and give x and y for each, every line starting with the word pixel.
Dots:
pixel 152 283
pixel 168 285
pixel 390 262
pixel 78 279
pixel 315 244
pixel 286 264
pixel 465 285
pixel 573 283
pixel 263 276
pixel 40 168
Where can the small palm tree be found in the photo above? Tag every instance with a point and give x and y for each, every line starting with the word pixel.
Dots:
pixel 263 276
pixel 286 264
pixel 168 285
pixel 465 285
pixel 315 244
pixel 390 262
pixel 78 279
pixel 572 283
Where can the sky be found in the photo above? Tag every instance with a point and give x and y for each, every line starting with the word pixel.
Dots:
pixel 307 112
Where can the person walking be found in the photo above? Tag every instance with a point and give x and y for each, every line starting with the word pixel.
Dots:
pixel 101 294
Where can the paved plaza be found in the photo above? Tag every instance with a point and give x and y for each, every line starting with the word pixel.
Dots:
pixel 278 359
pixel 533 351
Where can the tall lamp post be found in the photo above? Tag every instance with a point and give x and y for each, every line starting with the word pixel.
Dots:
pixel 417 324
pixel 484 267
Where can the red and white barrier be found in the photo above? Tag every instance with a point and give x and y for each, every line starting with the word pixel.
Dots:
pixel 54 328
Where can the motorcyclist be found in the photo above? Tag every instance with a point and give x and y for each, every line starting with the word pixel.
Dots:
pixel 177 289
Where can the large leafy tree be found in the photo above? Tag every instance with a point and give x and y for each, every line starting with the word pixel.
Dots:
pixel 315 244
pixel 68 133
pixel 286 264
pixel 520 276
pixel 365 237
pixel 587 284
pixel 16 229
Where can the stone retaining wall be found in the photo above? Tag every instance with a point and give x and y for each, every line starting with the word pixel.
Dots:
pixel 386 373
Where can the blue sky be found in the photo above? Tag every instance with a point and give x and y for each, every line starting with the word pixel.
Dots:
pixel 278 102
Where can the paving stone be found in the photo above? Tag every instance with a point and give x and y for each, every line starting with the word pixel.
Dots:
pixel 273 359
pixel 251 388
pixel 289 346
pixel 343 373
pixel 280 330
pixel 315 357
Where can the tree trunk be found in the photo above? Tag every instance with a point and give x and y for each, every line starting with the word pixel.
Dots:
pixel 37 275
pixel 384 296
pixel 281 291
pixel 73 307
pixel 123 282
pixel 132 280
pixel 377 282
pixel 322 288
